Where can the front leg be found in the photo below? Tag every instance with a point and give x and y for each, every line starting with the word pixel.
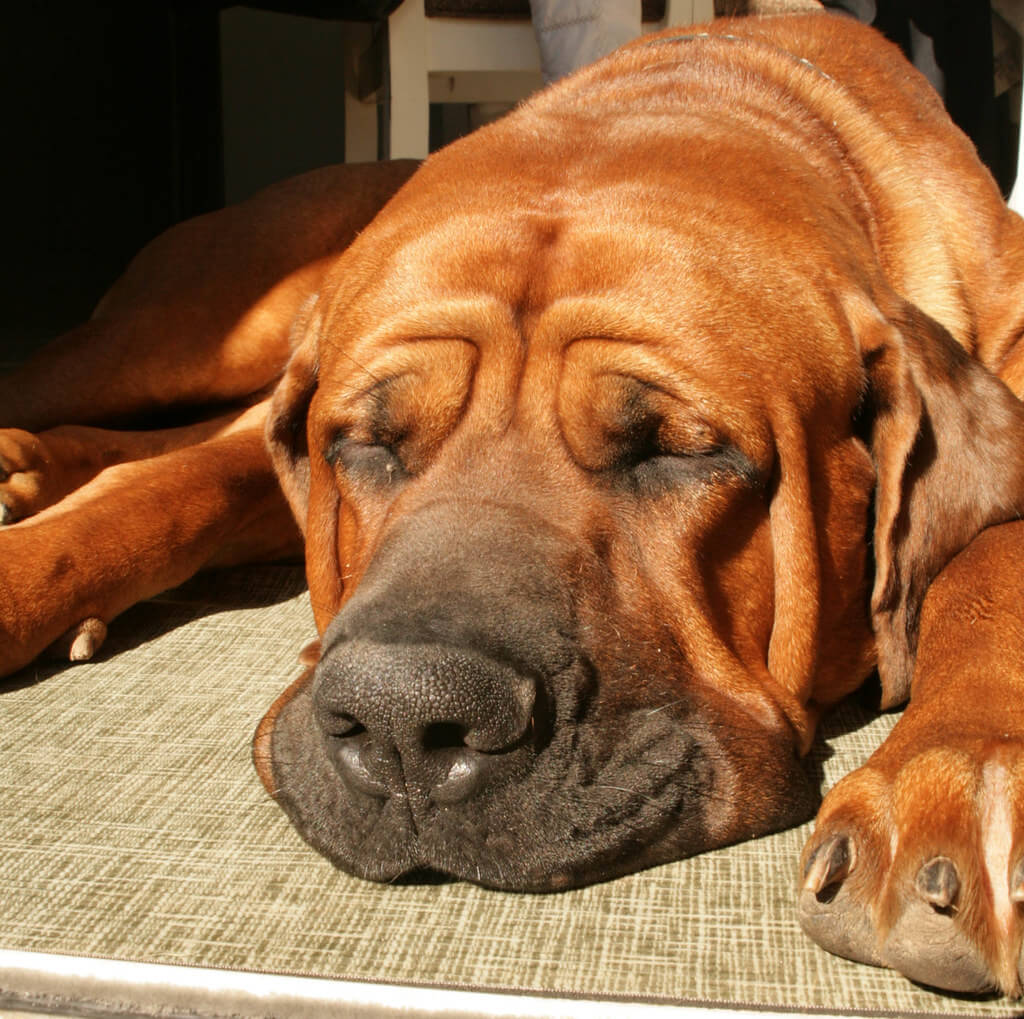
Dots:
pixel 37 471
pixel 917 858
pixel 135 530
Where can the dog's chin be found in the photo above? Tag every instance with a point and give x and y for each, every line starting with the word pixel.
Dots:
pixel 593 804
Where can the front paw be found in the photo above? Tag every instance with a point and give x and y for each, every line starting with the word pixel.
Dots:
pixel 24 463
pixel 920 867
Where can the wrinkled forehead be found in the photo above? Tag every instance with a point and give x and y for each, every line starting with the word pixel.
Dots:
pixel 679 272
pixel 526 246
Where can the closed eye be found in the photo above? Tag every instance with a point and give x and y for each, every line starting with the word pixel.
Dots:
pixel 659 472
pixel 368 462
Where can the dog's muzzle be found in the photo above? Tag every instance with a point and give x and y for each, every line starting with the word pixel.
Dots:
pixel 488 706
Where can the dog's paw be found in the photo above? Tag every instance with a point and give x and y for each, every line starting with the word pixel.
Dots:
pixel 921 867
pixel 37 471
pixel 25 464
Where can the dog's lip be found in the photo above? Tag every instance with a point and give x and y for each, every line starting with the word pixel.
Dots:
pixel 263 739
pixel 634 847
pixel 484 868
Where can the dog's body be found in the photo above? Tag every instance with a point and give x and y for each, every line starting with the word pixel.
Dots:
pixel 626 439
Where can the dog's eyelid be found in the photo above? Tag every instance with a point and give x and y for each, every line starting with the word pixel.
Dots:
pixel 689 436
pixel 667 473
pixel 374 463
pixel 718 456
pixel 694 436
pixel 344 447
pixel 653 470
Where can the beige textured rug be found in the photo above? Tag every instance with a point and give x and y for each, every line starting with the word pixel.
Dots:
pixel 133 827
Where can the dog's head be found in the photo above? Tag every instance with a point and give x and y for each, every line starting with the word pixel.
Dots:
pixel 586 462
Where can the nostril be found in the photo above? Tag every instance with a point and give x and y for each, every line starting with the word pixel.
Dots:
pixel 444 736
pixel 464 777
pixel 338 725
pixel 353 759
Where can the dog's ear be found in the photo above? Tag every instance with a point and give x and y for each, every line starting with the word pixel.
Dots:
pixel 316 506
pixel 289 406
pixel 947 439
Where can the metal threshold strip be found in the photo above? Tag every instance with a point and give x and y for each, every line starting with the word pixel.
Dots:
pixel 88 987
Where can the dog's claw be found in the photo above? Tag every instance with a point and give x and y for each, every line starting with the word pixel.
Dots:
pixel 310 654
pixel 81 642
pixel 938 883
pixel 830 864
pixel 87 639
pixel 1017 883
pixel 829 911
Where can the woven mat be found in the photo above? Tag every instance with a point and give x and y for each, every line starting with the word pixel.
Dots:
pixel 133 827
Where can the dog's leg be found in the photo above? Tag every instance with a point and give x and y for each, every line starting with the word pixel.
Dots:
pixel 917 859
pixel 127 366
pixel 37 471
pixel 135 530
pixel 202 314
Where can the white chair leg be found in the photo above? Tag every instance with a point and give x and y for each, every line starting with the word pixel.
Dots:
pixel 689 12
pixel 407 60
pixel 361 122
pixel 360 130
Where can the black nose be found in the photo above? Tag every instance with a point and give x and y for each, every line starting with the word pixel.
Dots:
pixel 424 722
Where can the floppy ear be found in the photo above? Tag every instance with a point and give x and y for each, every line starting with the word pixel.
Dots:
pixel 289 407
pixel 306 481
pixel 947 439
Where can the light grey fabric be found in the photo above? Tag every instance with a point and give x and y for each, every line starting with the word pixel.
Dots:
pixel 571 33
pixel 133 826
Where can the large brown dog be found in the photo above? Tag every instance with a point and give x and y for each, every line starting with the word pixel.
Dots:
pixel 626 439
